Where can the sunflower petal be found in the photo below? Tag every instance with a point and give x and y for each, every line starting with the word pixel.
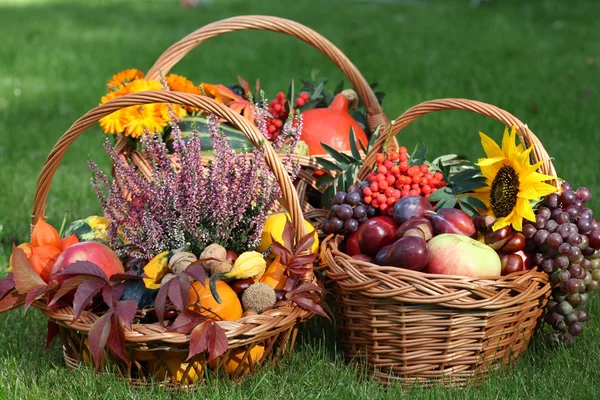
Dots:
pixel 524 209
pixel 482 195
pixel 535 177
pixel 489 146
pixel 521 163
pixel 502 222
pixel 490 171
pixel 541 189
pixel 508 144
pixel 483 162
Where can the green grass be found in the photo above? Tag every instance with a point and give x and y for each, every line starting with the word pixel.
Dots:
pixel 536 59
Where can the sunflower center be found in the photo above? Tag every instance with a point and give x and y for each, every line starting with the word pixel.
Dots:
pixel 505 188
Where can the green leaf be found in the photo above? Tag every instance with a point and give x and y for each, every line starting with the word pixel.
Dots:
pixel 446 202
pixel 339 87
pixel 324 180
pixel 464 175
pixel 290 96
pixel 341 158
pixel 468 186
pixel 441 194
pixel 373 138
pixel 328 164
pixel 312 103
pixel 353 148
pixel 327 196
pixel 419 154
pixel 474 202
pixel 319 90
pixel 328 98
pixel 469 209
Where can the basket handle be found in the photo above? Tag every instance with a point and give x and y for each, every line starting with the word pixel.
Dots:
pixel 375 114
pixel 488 110
pixel 164 96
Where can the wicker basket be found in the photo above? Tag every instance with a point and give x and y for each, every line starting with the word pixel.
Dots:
pixel 306 179
pixel 150 347
pixel 408 326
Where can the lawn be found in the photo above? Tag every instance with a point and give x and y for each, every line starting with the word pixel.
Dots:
pixel 536 59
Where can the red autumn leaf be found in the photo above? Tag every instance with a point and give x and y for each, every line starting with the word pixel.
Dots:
pixel 291 282
pixel 83 268
pixel 24 275
pixel 305 243
pixel 131 274
pixel 52 332
pixel 7 285
pixel 285 254
pixel 160 302
pixel 68 286
pixel 186 321
pixel 11 301
pixel 126 311
pixel 196 271
pixel 305 287
pixel 98 336
pixel 113 293
pixel 244 84
pixel 116 338
pixel 289 234
pixel 179 291
pixel 36 292
pixel 305 259
pixel 84 294
pixel 310 305
pixel 208 336
pixel 68 241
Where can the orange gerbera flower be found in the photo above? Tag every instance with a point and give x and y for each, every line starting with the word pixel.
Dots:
pixel 141 118
pixel 179 83
pixel 123 78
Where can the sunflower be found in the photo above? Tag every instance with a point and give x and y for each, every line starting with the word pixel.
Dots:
pixel 123 78
pixel 511 181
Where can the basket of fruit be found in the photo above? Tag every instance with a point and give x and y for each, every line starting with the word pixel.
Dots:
pixel 168 286
pixel 444 282
pixel 326 117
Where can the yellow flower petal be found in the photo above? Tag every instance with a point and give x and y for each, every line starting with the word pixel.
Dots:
pixel 524 210
pixel 489 146
pixel 483 162
pixel 535 177
pixel 522 161
pixel 491 171
pixel 508 144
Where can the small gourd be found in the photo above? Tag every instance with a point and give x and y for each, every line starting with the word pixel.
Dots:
pixel 202 300
pixel 250 264
pixel 275 276
pixel 156 269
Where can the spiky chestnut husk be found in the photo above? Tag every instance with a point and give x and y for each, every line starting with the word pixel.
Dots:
pixel 258 297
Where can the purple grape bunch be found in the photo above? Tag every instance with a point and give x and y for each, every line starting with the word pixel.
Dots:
pixel 347 211
pixel 566 240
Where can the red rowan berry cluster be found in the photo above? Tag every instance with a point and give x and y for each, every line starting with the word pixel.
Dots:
pixel 280 114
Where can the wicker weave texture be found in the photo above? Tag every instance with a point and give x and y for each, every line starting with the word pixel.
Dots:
pixel 273 329
pixel 408 326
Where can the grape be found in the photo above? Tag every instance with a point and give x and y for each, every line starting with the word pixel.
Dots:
pixel 567 197
pixel 564 308
pixel 587 279
pixel 539 258
pixel 335 208
pixel 573 285
pixel 588 252
pixel 556 212
pixel 574 239
pixel 584 194
pixel 585 243
pixel 551 225
pixel 575 255
pixel 552 318
pixel 582 315
pixel 345 212
pixel 351 225
pixel 371 211
pixel 566 186
pixel 544 212
pixel 336 225
pixel 578 204
pixel 561 326
pixel 586 213
pixel 586 264
pixel 594 238
pixel 360 212
pixel 564 230
pixel 575 271
pixel 339 198
pixel 364 184
pixel 563 276
pixel 593 285
pixel 529 230
pixel 584 298
pixel 552 252
pixel 573 212
pixel 574 299
pixel 571 318
pixel 595 224
pixel 352 189
pixel 352 198
pixel 596 274
pixel 554 240
pixel 326 227
pixel 541 236
pixel 561 262
pixel 563 218
pixel 548 265
pixel 552 200
pixel 575 329
pixel 564 248
pixel 540 222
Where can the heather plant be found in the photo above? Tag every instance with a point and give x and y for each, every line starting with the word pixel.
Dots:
pixel 185 204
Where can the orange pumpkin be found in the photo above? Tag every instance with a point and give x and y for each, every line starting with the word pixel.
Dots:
pixel 42 259
pixel 176 368
pixel 275 276
pixel 331 126
pixel 44 234
pixel 236 355
pixel 202 300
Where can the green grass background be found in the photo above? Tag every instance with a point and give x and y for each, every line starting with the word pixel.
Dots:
pixel 537 59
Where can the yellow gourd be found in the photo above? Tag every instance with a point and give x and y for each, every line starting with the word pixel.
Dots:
pixel 235 357
pixel 175 371
pixel 156 269
pixel 249 264
pixel 274 226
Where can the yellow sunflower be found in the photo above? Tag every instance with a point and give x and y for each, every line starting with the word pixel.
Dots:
pixel 511 181
pixel 123 78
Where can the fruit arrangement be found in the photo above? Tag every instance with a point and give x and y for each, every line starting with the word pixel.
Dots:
pixel 166 254
pixel 408 214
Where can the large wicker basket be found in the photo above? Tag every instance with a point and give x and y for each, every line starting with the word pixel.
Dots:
pixel 407 326
pixel 274 329
pixel 306 179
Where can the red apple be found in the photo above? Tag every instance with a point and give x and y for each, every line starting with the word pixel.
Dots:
pixel 455 254
pixel 94 252
pixel 376 233
pixel 352 248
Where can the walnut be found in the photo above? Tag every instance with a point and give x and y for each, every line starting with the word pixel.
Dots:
pixel 180 261
pixel 213 251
